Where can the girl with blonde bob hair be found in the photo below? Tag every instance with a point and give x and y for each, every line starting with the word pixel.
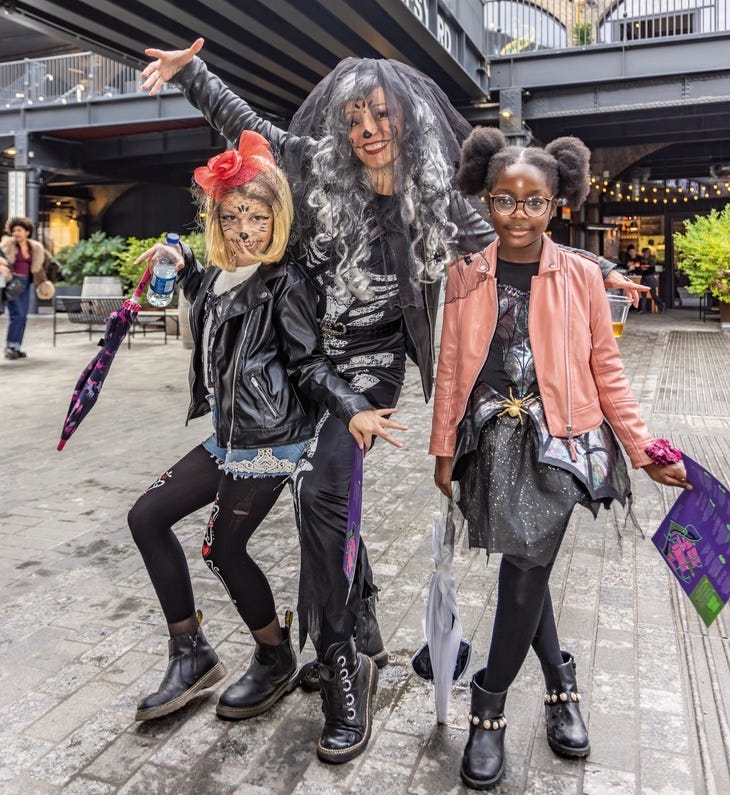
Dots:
pixel 268 187
pixel 258 368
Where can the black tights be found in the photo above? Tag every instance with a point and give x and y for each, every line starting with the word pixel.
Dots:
pixel 240 506
pixel 524 617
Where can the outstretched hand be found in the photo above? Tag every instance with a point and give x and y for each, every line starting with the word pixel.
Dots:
pixel 669 475
pixel 166 65
pixel 374 422
pixel 617 281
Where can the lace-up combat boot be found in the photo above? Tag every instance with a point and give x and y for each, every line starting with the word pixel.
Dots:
pixel 368 640
pixel 348 682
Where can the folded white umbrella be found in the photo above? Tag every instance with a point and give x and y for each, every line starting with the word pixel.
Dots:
pixel 444 657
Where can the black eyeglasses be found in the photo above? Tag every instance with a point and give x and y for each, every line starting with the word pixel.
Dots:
pixel 534 206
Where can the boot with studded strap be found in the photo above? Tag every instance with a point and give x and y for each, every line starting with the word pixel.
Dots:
pixel 566 732
pixel 482 764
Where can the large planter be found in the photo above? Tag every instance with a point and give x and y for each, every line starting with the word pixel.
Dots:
pixel 725 315
pixel 38 307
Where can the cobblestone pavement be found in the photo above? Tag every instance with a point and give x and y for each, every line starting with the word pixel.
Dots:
pixel 83 639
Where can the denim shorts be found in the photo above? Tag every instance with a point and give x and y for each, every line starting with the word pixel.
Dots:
pixel 256 462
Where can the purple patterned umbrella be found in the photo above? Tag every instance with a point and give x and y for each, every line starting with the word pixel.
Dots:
pixel 92 378
pixel 354 518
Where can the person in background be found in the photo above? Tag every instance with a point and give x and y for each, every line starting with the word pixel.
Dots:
pixel 646 266
pixel 630 257
pixel 5 276
pixel 25 258
pixel 521 420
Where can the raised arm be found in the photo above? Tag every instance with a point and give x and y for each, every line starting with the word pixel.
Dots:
pixel 224 110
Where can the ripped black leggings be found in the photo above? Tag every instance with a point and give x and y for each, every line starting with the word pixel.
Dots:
pixel 524 617
pixel 240 506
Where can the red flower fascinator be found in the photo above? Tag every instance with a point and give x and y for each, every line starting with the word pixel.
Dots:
pixel 233 168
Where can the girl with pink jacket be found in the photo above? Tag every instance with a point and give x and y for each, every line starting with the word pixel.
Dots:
pixel 530 397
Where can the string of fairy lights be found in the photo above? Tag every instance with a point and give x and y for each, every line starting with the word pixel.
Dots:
pixel 659 193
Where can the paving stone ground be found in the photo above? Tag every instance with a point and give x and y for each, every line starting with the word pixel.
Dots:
pixel 83 639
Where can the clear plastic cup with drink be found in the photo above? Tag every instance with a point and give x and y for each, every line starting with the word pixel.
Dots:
pixel 619 303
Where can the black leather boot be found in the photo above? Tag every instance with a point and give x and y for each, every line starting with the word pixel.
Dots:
pixel 348 682
pixel 566 733
pixel 270 676
pixel 482 764
pixel 368 640
pixel 193 666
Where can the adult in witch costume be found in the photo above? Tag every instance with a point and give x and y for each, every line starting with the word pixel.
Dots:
pixel 370 156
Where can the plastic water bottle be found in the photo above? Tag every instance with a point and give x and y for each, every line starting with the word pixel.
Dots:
pixel 162 282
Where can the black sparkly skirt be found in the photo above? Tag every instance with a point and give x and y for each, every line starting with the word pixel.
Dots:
pixel 514 503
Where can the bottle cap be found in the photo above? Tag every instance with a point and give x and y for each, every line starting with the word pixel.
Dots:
pixel 172 239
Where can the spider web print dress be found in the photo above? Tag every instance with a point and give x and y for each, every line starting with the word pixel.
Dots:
pixel 518 484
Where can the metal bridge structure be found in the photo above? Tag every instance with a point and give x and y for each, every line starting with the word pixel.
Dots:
pixel 645 85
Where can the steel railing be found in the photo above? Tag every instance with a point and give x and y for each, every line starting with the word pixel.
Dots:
pixel 62 79
pixel 514 26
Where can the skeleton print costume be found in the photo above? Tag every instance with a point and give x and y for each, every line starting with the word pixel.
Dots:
pixel 377 259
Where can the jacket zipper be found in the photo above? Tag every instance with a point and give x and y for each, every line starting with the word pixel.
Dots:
pixel 235 370
pixel 569 399
pixel 263 396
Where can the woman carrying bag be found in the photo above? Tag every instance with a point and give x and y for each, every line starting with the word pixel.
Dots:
pixel 25 258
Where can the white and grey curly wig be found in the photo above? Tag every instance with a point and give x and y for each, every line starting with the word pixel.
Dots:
pixel 337 193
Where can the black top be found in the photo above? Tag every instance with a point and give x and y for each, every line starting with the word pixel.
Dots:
pixel 515 275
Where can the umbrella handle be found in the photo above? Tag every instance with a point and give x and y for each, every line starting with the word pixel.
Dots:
pixel 141 284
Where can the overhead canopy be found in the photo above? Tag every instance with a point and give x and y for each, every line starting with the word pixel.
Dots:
pixel 274 51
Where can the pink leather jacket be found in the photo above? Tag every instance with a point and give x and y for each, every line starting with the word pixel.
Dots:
pixel 577 361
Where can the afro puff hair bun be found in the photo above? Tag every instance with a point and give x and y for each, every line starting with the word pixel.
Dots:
pixel 478 149
pixel 573 158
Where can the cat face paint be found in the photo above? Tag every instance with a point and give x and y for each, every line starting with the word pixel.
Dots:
pixel 247 225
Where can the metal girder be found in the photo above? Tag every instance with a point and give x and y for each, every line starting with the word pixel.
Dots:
pixel 610 63
pixel 678 91
pixel 270 51
pixel 118 113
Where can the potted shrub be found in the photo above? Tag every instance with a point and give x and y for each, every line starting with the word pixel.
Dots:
pixel 132 273
pixel 703 254
pixel 94 256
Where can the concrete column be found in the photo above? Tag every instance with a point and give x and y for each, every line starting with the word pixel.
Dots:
pixel 33 194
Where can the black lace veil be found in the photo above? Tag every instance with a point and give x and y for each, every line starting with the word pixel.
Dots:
pixel 346 225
